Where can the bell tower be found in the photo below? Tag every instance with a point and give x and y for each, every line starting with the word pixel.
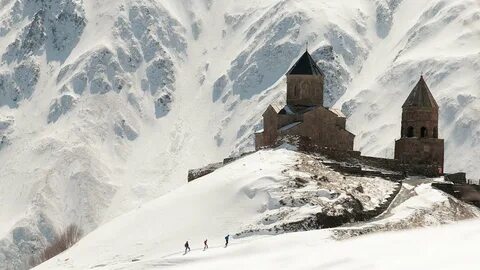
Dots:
pixel 305 83
pixel 419 142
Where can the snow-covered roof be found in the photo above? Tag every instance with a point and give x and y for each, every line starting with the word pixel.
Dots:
pixel 292 109
pixel 337 112
pixel 289 126
pixel 277 105
pixel 288 110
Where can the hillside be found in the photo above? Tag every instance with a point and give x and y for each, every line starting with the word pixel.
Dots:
pixel 246 195
pixel 105 105
pixel 314 250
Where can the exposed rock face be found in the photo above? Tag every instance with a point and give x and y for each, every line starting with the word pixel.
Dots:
pixel 59 107
pixel 46 64
pixel 19 84
pixel 55 29
pixel 315 196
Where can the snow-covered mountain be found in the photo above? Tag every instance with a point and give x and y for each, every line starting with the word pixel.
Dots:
pixel 105 104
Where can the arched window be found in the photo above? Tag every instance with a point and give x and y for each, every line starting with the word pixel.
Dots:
pixel 410 132
pixel 435 132
pixel 424 132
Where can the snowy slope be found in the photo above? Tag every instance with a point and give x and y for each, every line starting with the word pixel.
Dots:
pixel 443 248
pixel 105 104
pixel 232 198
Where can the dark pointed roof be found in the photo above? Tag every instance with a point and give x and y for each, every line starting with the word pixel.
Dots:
pixel 420 96
pixel 305 66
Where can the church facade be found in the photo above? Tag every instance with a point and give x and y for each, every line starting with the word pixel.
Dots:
pixel 304 114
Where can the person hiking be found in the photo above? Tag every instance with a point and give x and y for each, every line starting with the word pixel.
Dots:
pixel 205 245
pixel 226 239
pixel 187 247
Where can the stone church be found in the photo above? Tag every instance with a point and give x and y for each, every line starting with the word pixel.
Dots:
pixel 419 149
pixel 304 114
pixel 419 142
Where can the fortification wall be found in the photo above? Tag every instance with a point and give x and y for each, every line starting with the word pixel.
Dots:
pixel 465 192
pixel 355 158
pixel 197 173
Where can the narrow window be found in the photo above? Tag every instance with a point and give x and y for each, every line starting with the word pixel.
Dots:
pixel 424 132
pixel 410 132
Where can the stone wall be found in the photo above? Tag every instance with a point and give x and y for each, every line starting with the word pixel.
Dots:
pixel 419 118
pixel 355 158
pixel 306 90
pixel 259 141
pixel 270 127
pixel 457 178
pixel 232 159
pixel 464 192
pixel 420 151
pixel 323 127
pixel 326 129
pixel 197 173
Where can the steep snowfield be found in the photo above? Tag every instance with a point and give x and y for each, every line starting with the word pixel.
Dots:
pixel 105 104
pixel 236 197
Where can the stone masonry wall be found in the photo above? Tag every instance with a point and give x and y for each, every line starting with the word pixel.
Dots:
pixel 305 90
pixel 418 118
pixel 420 151
pixel 355 158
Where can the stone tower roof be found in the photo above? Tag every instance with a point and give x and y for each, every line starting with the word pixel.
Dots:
pixel 305 66
pixel 420 96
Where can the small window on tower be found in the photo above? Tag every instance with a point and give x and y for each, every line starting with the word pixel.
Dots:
pixel 424 132
pixel 410 132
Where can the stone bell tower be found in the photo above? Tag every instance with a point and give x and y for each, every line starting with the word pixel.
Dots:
pixel 305 83
pixel 419 143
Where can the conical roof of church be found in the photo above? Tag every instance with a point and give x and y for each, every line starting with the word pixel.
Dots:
pixel 305 66
pixel 421 96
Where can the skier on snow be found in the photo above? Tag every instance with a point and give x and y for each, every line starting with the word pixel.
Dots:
pixel 205 245
pixel 226 240
pixel 187 247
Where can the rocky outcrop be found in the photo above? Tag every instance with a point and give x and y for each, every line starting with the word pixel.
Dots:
pixel 324 220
